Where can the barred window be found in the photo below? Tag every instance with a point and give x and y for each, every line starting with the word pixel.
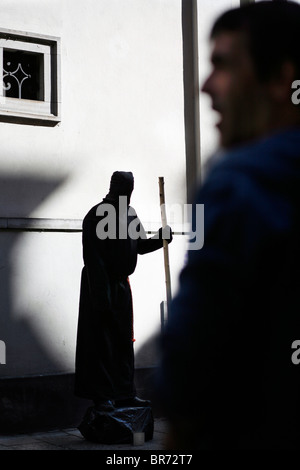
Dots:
pixel 23 75
pixel 30 68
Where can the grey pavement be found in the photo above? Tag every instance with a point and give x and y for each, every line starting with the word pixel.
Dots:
pixel 72 439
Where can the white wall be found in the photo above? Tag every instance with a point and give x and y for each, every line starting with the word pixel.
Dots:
pixel 122 99
pixel 122 109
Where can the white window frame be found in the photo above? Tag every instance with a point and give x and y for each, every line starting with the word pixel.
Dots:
pixel 24 111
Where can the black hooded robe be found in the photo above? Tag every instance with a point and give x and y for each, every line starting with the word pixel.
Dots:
pixel 104 367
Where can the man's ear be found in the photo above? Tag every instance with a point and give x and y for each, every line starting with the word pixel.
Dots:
pixel 280 86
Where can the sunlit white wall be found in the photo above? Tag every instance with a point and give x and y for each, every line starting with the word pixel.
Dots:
pixel 122 109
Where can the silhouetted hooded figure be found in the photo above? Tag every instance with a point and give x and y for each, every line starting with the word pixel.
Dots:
pixel 121 184
pixel 104 354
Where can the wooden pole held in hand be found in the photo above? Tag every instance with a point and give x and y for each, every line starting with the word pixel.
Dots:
pixel 165 243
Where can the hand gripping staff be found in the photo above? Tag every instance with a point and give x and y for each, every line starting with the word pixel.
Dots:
pixel 165 243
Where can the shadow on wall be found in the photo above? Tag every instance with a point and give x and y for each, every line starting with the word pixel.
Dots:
pixel 145 376
pixel 148 354
pixel 25 402
pixel 21 195
pixel 18 198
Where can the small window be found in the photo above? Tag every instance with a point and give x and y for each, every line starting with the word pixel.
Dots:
pixel 23 75
pixel 30 69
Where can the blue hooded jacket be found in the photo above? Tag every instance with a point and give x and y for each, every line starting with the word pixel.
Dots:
pixel 228 378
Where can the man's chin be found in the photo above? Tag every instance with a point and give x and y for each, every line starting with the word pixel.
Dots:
pixel 228 141
pixel 225 140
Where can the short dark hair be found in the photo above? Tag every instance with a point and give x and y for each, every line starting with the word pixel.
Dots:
pixel 273 32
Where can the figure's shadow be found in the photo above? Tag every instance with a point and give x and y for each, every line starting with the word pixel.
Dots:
pixel 19 197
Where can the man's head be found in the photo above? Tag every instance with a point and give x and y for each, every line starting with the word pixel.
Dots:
pixel 255 59
pixel 121 184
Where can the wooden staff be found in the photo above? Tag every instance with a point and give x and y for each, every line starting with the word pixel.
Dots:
pixel 165 243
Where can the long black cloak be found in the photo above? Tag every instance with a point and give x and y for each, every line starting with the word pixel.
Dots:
pixel 104 352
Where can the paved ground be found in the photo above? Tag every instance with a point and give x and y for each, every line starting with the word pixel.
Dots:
pixel 71 439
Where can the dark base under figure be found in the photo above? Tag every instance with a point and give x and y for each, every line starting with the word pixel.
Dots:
pixel 118 425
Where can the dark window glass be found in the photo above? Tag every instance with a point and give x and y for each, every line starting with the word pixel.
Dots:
pixel 23 75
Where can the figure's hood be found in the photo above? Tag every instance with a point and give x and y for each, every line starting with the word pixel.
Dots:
pixel 121 184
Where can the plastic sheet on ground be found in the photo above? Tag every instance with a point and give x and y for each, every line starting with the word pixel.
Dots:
pixel 118 426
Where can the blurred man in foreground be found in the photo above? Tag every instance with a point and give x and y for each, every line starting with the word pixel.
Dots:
pixel 227 378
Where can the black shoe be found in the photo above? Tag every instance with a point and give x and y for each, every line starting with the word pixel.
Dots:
pixel 134 402
pixel 104 405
